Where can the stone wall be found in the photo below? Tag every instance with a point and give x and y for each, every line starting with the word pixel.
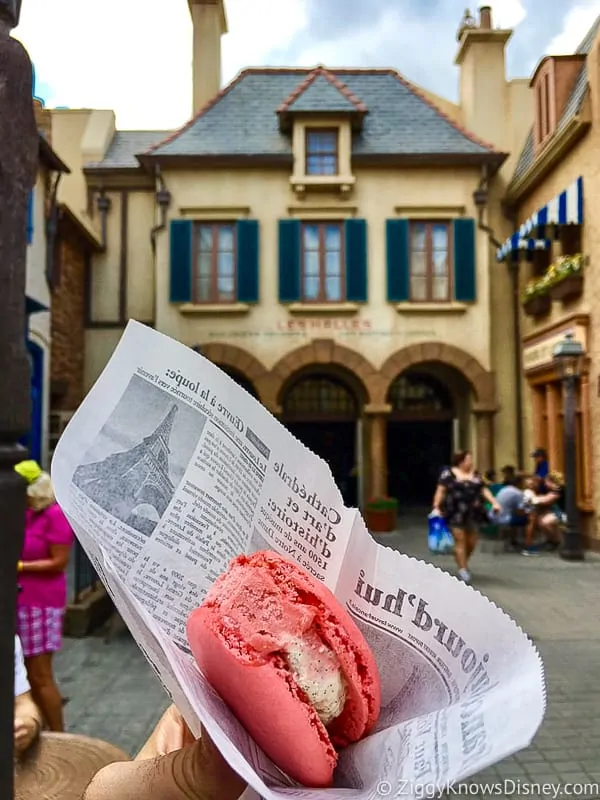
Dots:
pixel 68 332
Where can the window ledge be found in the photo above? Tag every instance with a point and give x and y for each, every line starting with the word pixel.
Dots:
pixel 300 184
pixel 214 308
pixel 431 308
pixel 323 308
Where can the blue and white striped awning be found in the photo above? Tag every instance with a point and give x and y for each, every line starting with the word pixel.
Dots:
pixel 517 244
pixel 564 209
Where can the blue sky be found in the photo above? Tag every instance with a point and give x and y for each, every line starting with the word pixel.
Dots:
pixel 134 56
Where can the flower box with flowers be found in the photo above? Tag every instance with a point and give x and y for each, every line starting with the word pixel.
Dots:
pixel 380 514
pixel 536 298
pixel 566 278
pixel 563 281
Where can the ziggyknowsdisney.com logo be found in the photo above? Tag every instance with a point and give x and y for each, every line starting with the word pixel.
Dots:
pixel 505 788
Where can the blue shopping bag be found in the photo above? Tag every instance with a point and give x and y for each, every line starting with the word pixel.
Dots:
pixel 440 539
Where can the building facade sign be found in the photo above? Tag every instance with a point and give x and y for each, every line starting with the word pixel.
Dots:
pixel 538 354
pixel 325 327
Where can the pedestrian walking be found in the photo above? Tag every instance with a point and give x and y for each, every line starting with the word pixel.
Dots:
pixel 43 589
pixel 460 498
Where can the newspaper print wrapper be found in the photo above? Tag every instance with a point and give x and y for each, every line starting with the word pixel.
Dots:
pixel 169 469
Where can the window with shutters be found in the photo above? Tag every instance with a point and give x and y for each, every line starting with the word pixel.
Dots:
pixel 430 262
pixel 214 267
pixel 322 156
pixel 322 263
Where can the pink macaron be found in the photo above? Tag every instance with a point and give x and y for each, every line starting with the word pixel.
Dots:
pixel 289 661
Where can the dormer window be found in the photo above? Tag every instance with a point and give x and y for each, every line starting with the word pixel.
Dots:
pixel 322 151
pixel 322 115
pixel 545 119
pixel 552 83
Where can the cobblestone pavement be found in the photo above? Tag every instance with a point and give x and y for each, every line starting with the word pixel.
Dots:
pixel 114 695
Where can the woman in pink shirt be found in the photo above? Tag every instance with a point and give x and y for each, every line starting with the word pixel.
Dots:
pixel 43 589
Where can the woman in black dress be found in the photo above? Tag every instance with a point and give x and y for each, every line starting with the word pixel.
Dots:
pixel 460 498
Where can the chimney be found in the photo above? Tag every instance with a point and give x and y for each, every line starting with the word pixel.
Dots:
pixel 485 18
pixel 210 24
pixel 484 90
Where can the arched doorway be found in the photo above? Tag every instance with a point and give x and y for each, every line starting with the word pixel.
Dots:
pixel 322 411
pixel 420 435
pixel 240 379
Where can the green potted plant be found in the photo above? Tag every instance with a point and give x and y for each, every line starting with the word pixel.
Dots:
pixel 536 298
pixel 565 277
pixel 381 514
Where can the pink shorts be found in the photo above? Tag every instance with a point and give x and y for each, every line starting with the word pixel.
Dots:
pixel 40 630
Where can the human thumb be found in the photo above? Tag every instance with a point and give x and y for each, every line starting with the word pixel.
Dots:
pixel 197 772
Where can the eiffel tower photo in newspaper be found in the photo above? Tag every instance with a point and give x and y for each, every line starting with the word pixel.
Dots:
pixel 136 463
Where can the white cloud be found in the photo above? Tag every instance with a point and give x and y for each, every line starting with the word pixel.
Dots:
pixel 255 28
pixel 576 24
pixel 508 13
pixel 362 43
pixel 134 56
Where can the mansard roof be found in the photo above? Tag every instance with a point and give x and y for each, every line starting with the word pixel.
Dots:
pixel 243 123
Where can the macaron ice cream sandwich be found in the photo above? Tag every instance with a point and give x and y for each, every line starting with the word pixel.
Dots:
pixel 289 661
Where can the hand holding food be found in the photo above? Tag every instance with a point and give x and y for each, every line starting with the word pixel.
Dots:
pixel 196 772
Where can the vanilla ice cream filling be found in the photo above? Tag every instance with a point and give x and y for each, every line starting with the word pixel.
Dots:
pixel 317 671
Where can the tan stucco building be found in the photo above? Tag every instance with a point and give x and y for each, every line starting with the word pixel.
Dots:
pixel 329 238
pixel 554 245
pixel 53 298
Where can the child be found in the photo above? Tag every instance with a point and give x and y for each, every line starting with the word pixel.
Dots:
pixel 529 494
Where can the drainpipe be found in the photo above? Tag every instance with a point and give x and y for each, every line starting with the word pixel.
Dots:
pixel 515 279
pixel 51 231
pixel 103 205
pixel 163 201
pixel 480 196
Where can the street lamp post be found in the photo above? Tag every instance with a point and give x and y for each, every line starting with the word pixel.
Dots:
pixel 19 147
pixel 568 357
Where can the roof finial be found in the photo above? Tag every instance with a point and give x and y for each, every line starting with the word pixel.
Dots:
pixel 468 21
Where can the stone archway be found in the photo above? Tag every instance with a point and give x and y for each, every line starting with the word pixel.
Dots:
pixel 482 382
pixel 237 359
pixel 321 351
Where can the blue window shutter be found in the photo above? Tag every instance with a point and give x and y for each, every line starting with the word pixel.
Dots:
pixel 398 260
pixel 248 258
pixel 465 267
pixel 182 237
pixel 289 260
pixel 30 216
pixel 356 261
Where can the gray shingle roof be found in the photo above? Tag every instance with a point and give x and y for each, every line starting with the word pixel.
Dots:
pixel 125 146
pixel 322 92
pixel 243 119
pixel 321 96
pixel 572 107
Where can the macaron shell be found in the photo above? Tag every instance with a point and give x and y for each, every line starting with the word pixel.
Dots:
pixel 267 702
pixel 257 684
pixel 338 630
